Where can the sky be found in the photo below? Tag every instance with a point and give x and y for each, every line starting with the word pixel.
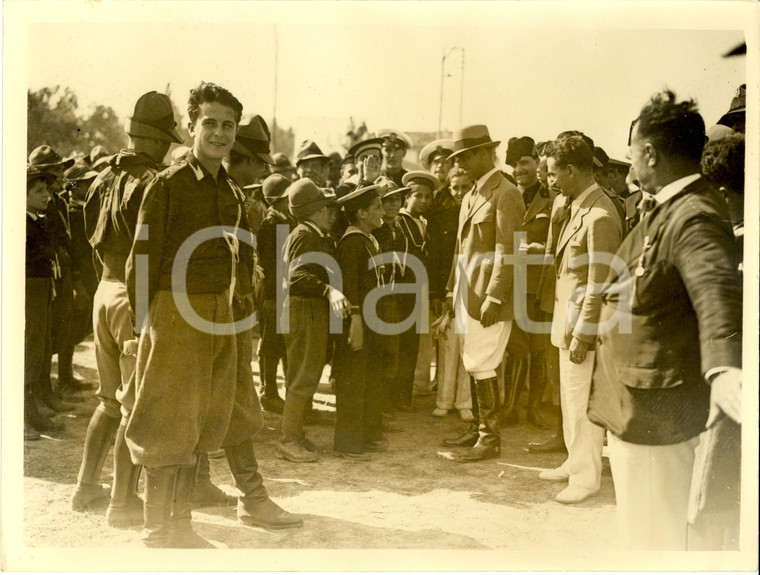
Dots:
pixel 535 69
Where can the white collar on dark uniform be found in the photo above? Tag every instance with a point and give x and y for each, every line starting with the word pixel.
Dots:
pixel 673 188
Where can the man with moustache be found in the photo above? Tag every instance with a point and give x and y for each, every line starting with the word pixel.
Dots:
pixel 481 283
pixel 523 343
pixel 186 358
pixel 677 366
pixel 312 163
pixel 590 232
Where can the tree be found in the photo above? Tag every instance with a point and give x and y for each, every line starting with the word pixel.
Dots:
pixel 53 118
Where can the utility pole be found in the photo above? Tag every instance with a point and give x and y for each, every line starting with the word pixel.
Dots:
pixel 446 54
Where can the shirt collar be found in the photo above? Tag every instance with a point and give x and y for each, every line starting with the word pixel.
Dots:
pixel 582 196
pixel 484 178
pixel 33 215
pixel 201 172
pixel 314 227
pixel 673 188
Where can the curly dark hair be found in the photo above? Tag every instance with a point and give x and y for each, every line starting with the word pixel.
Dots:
pixel 208 92
pixel 723 162
pixel 571 150
pixel 675 128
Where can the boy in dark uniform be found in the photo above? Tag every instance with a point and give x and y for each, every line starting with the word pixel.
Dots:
pixel 309 255
pixel 357 365
pixel 414 229
pixel 272 344
pixel 40 275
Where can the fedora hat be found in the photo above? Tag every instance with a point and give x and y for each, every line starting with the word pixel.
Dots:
pixel 472 138
pixel 46 158
pixel 275 187
pixel 409 177
pixel 153 118
pixel 309 151
pixel 306 198
pixel 252 140
pixel 601 159
pixel 434 149
pixel 518 148
pixel 738 107
pixel 395 137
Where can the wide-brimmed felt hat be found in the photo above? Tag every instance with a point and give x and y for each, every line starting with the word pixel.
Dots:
pixel 46 158
pixel 153 118
pixel 309 151
pixel 409 177
pixel 472 138
pixel 252 140
pixel 396 137
pixel 601 159
pixel 96 153
pixel 359 198
pixel 738 106
pixel 518 148
pixel 79 171
pixel 275 187
pixel 35 173
pixel 434 149
pixel 364 145
pixel 306 198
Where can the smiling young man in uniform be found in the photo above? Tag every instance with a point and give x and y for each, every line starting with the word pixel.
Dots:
pixel 186 359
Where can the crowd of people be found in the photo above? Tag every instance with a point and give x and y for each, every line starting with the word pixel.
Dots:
pixel 617 284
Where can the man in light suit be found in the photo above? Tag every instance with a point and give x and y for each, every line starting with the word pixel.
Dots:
pixel 591 231
pixel 480 285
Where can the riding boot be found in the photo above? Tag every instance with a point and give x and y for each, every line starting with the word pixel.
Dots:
pixel 270 397
pixel 159 494
pixel 181 533
pixel 536 391
pixel 289 445
pixel 489 441
pixel 97 441
pixel 255 507
pixel 205 493
pixel 514 374
pixel 126 507
pixel 470 437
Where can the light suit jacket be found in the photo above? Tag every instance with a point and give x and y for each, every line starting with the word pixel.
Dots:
pixel 593 231
pixel 487 222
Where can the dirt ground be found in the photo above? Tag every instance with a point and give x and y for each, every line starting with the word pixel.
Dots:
pixel 410 497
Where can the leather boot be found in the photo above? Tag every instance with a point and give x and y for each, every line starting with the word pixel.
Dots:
pixel 489 442
pixel 270 397
pixel 97 442
pixel 470 437
pixel 536 391
pixel 159 493
pixel 66 380
pixel 125 508
pixel 205 493
pixel 255 507
pixel 554 445
pixel 514 373
pixel 289 444
pixel 56 403
pixel 34 418
pixel 181 533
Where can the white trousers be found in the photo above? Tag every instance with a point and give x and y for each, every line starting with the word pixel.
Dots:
pixel 652 485
pixel 583 439
pixel 483 347
pixel 453 379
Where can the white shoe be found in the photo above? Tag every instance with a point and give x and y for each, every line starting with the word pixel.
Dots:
pixel 438 412
pixel 558 475
pixel 574 494
pixel 466 415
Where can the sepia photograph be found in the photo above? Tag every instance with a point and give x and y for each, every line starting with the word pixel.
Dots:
pixel 380 286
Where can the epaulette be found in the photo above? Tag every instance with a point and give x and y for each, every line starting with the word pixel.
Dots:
pixel 171 170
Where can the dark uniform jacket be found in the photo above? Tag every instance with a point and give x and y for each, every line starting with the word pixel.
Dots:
pixel 309 279
pixel 535 223
pixel 112 204
pixel 443 221
pixel 40 252
pixel 179 202
pixel 266 248
pixel 685 319
pixel 397 177
pixel 415 243
pixel 57 225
